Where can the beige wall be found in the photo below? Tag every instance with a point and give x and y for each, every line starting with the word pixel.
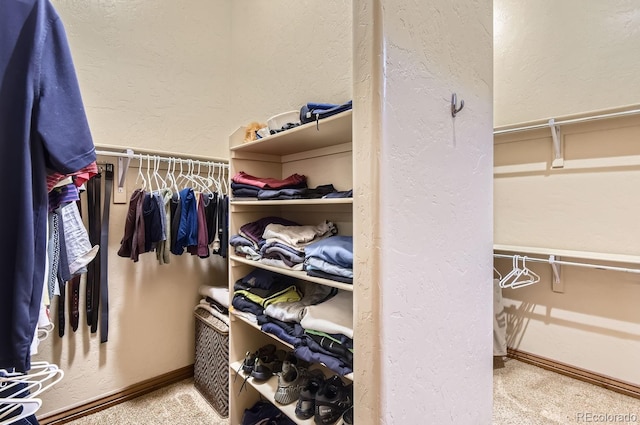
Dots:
pixel 154 74
pixel 164 75
pixel 286 53
pixel 554 59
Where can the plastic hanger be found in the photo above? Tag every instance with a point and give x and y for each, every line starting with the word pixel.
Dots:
pixel 171 177
pixel 9 405
pixel 496 272
pixel 222 180
pixel 525 277
pixel 140 175
pixel 41 377
pixel 505 282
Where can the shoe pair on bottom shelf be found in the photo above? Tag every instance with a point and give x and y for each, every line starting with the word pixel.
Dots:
pixel 265 413
pixel 327 400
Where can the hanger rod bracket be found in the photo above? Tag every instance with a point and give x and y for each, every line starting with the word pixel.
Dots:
pixel 558 157
pixel 120 194
pixel 558 284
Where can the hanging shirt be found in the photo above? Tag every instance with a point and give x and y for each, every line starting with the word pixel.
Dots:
pixel 43 128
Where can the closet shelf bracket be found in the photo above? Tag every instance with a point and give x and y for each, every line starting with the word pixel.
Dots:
pixel 558 285
pixel 558 157
pixel 120 194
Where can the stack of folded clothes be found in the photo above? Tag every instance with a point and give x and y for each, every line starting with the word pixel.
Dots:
pixel 330 258
pixel 285 244
pixel 328 333
pixel 261 288
pixel 249 241
pixel 244 185
pixel 215 297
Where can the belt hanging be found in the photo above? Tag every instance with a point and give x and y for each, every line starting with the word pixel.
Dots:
pixel 62 274
pixel 93 269
pixel 74 294
pixel 74 302
pixel 104 250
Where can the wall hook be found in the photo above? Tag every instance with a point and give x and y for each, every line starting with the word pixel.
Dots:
pixel 454 102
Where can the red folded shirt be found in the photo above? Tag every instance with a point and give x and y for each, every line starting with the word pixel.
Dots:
pixel 294 180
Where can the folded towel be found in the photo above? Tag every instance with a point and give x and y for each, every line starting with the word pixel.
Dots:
pixel 220 294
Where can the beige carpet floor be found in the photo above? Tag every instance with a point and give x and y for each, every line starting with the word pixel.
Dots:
pixel 177 404
pixel 526 394
pixel 522 394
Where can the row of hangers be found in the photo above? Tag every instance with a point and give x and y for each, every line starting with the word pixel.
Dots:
pixel 519 276
pixel 20 390
pixel 191 177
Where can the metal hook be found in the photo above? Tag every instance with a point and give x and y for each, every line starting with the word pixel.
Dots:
pixel 454 102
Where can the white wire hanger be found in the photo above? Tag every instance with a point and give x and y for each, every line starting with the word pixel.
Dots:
pixel 519 276
pixel 9 406
pixel 20 390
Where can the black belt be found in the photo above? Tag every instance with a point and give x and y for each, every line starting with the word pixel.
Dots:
pixel 97 291
pixel 104 250
pixel 74 293
pixel 93 269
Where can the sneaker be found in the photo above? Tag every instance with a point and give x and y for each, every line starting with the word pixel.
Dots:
pixel 258 412
pixel 333 399
pixel 306 406
pixel 347 417
pixel 249 361
pixel 261 371
pixel 291 381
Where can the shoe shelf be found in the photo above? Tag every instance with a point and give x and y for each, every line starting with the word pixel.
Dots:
pixel 267 389
pixel 275 338
pixel 323 152
pixel 293 273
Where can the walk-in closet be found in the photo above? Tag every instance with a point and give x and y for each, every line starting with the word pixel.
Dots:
pixel 239 212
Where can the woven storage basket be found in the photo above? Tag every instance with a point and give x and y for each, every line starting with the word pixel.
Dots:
pixel 211 368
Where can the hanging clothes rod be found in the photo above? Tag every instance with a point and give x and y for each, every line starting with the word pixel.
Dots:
pixel 551 260
pixel 552 122
pixel 124 159
pixel 167 159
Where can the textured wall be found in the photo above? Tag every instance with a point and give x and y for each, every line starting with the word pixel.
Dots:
pixel 559 58
pixel 436 213
pixel 154 74
pixel 286 53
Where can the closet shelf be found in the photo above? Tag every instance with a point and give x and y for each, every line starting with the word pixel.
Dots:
pixel 330 201
pixel 564 253
pixel 327 132
pixel 256 326
pixel 268 390
pixel 301 275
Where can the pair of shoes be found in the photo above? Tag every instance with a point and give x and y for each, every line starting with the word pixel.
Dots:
pixel 291 381
pixel 306 405
pixel 249 361
pixel 265 413
pixel 261 364
pixel 333 399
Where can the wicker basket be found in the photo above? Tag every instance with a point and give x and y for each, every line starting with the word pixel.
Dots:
pixel 211 368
